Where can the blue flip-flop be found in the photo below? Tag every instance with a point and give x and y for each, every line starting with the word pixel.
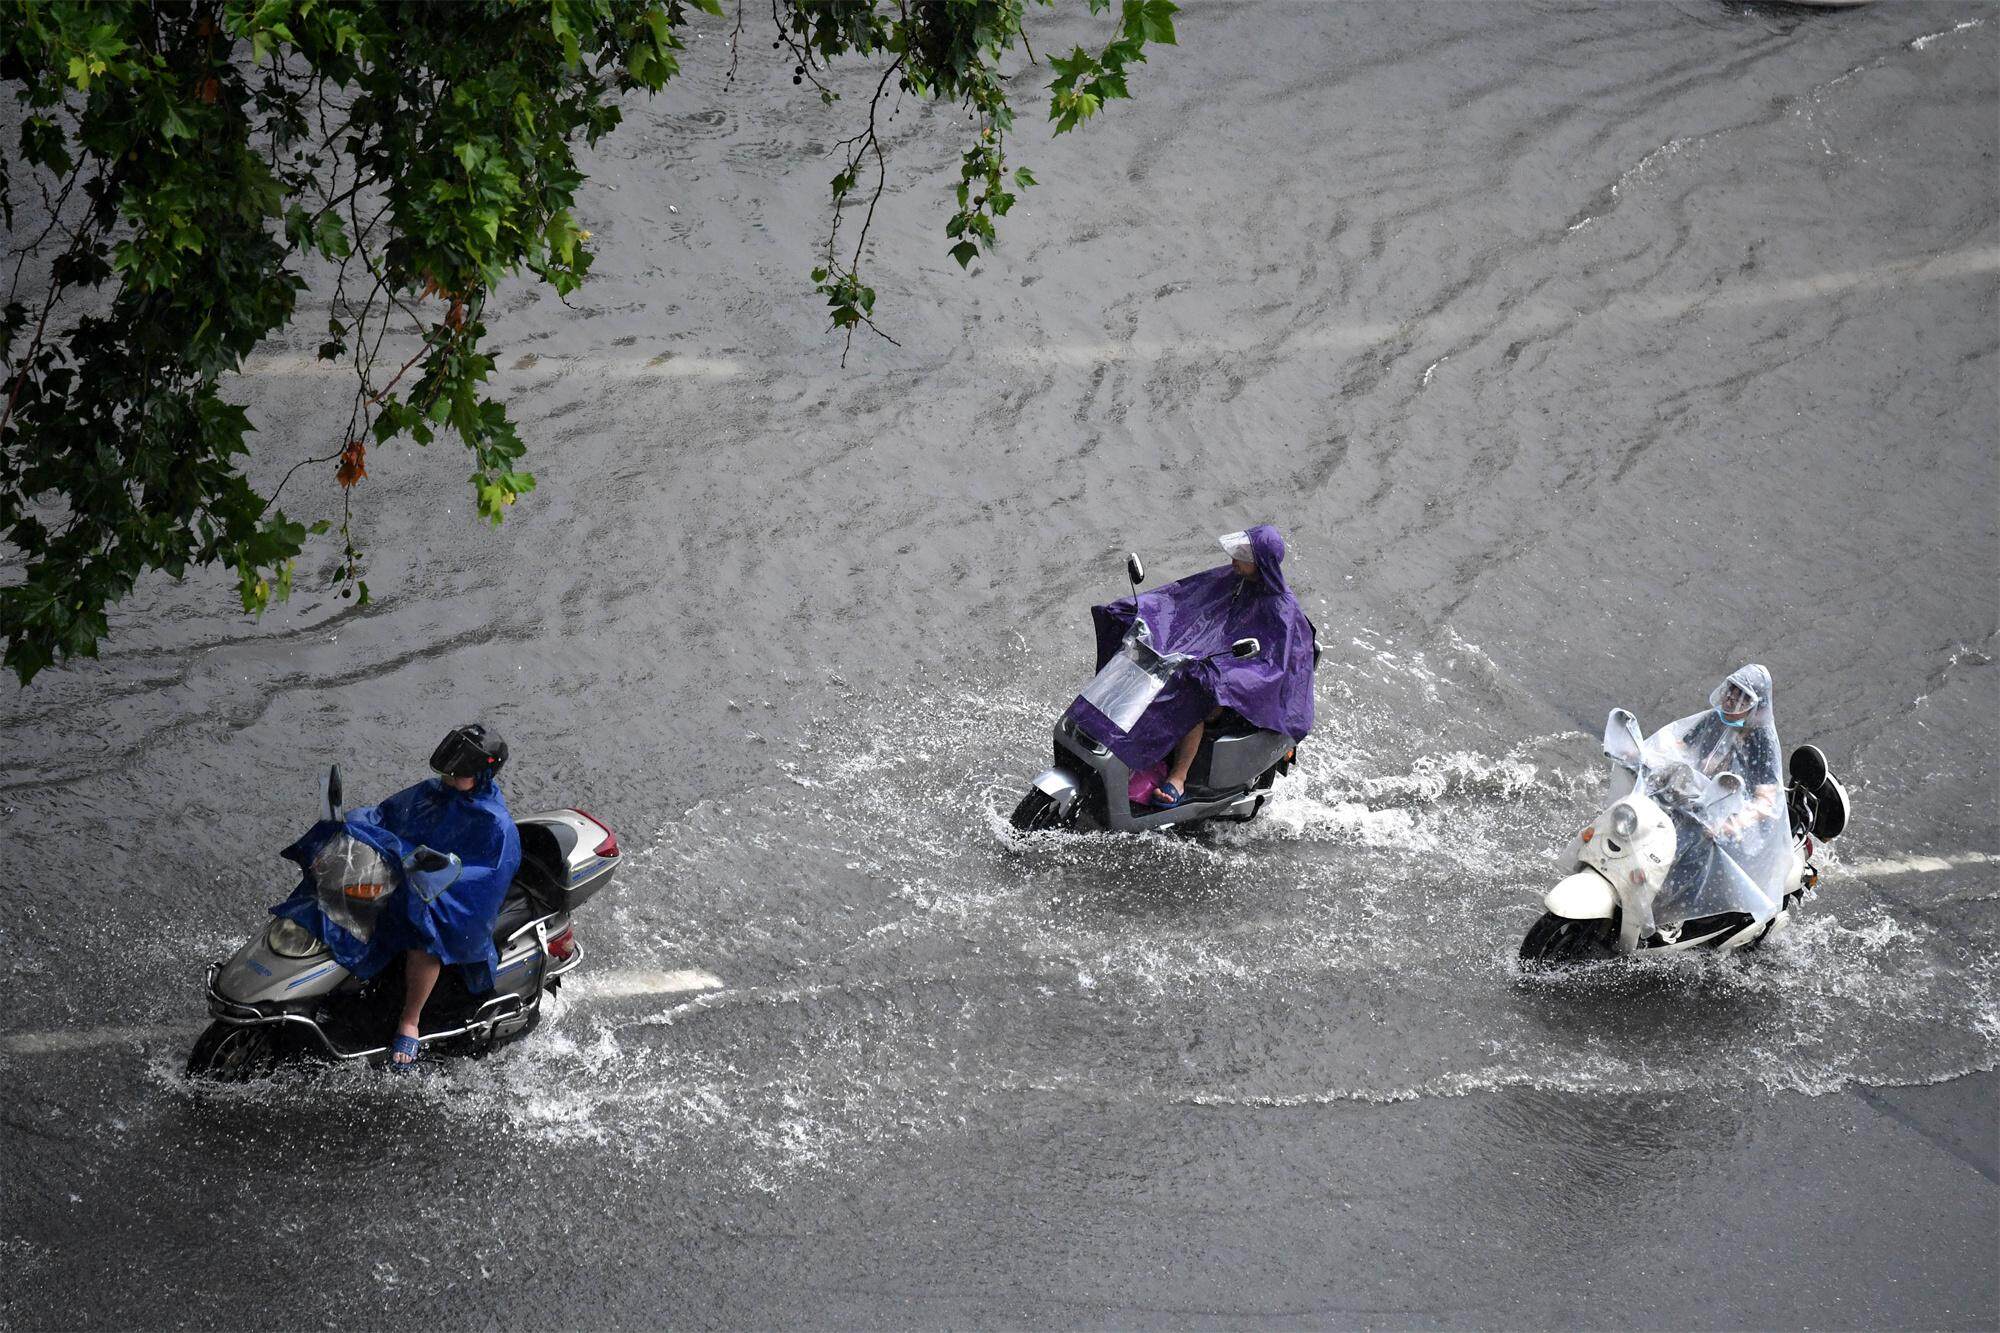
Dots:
pixel 405 1045
pixel 1161 789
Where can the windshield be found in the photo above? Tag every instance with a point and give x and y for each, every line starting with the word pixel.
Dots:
pixel 1130 681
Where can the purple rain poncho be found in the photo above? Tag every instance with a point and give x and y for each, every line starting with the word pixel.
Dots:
pixel 1202 614
pixel 456 926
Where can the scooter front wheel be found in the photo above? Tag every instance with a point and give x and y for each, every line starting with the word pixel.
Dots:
pixel 1555 940
pixel 237 1052
pixel 1038 813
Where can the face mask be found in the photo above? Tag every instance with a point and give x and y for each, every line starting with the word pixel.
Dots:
pixel 1738 723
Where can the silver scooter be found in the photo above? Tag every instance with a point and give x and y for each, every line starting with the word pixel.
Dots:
pixel 282 995
pixel 1088 786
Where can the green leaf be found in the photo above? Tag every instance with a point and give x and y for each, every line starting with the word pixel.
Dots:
pixel 964 252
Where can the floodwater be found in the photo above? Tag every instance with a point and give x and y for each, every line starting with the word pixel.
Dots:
pixel 1582 352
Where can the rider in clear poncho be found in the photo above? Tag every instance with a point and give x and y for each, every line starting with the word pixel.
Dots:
pixel 1733 854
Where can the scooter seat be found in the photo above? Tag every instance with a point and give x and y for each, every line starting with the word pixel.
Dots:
pixel 516 911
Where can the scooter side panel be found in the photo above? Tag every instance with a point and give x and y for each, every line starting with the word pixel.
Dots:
pixel 258 974
pixel 1238 761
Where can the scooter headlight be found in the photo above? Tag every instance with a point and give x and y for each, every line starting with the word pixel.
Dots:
pixel 1624 821
pixel 289 939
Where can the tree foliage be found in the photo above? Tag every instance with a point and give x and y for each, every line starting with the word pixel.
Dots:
pixel 181 165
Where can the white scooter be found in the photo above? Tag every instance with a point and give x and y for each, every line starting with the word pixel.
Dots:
pixel 1623 859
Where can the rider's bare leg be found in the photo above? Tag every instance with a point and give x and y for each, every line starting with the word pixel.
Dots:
pixel 420 976
pixel 1184 753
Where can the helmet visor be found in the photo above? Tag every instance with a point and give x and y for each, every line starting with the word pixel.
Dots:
pixel 1732 698
pixel 1238 546
pixel 458 756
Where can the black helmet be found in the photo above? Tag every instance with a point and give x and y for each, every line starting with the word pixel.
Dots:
pixel 469 751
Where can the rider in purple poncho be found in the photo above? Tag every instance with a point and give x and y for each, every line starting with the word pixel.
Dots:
pixel 1202 615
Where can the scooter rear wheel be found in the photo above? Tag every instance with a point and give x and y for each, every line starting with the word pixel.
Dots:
pixel 237 1052
pixel 1038 813
pixel 1555 940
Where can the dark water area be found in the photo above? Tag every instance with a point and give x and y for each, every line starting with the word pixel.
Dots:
pixel 1582 352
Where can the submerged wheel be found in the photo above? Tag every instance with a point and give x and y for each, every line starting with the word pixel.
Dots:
pixel 1558 939
pixel 1793 900
pixel 237 1052
pixel 1037 813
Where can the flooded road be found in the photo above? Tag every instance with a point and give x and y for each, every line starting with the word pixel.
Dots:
pixel 1581 352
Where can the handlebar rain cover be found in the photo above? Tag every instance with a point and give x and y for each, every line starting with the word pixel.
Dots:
pixel 1191 619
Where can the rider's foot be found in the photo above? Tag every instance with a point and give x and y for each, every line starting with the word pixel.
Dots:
pixel 1166 795
pixel 405 1048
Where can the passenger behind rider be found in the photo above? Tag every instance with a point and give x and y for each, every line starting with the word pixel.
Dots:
pixel 459 812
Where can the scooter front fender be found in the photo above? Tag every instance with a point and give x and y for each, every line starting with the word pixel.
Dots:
pixel 1059 787
pixel 1584 896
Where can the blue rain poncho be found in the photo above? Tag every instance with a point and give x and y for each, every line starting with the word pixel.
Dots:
pixel 455 927
pixel 1197 616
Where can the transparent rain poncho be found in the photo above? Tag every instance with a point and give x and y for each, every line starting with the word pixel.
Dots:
pixel 1734 849
pixel 350 880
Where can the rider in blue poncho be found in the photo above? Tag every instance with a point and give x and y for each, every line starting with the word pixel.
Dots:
pixel 459 812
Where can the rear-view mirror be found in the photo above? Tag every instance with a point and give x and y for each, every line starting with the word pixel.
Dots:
pixel 1245 648
pixel 1621 738
pixel 1725 786
pixel 1133 569
pixel 330 796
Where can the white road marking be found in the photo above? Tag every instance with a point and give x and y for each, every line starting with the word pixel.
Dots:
pixel 1920 865
pixel 280 365
pixel 1959 264
pixel 83 1039
pixel 618 984
pixel 642 981
pixel 1522 316
pixel 1631 306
